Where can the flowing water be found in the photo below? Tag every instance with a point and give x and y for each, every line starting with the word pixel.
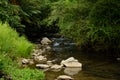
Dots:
pixel 95 66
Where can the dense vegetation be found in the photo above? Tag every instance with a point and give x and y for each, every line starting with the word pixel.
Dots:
pixel 93 24
pixel 12 47
pixel 89 22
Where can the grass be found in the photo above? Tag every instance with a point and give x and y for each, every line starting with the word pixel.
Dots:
pixel 11 68
pixel 26 74
pixel 12 47
pixel 11 43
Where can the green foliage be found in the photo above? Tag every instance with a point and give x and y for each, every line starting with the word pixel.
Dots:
pixel 105 13
pixel 26 74
pixel 29 8
pixel 11 68
pixel 94 22
pixel 104 23
pixel 89 22
pixel 33 13
pixel 11 43
pixel 72 17
pixel 7 62
pixel 24 13
pixel 10 13
pixel 23 47
pixel 11 47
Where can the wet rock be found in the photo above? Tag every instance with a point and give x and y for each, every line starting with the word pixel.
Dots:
pixel 35 50
pixel 40 59
pixel 55 60
pixel 49 63
pixel 72 71
pixel 36 54
pixel 48 48
pixel 71 62
pixel 42 66
pixel 45 41
pixel 118 59
pixel 64 77
pixel 55 67
pixel 31 62
pixel 25 61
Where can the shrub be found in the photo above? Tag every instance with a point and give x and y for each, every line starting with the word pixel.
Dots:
pixel 10 13
pixel 105 13
pixel 72 18
pixel 104 26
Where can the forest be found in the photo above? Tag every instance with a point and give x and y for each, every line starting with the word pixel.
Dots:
pixel 94 25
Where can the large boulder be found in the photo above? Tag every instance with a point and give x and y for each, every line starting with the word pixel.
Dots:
pixel 71 62
pixel 45 41
pixel 64 77
pixel 40 59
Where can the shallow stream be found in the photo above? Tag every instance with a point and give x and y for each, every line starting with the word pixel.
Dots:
pixel 95 66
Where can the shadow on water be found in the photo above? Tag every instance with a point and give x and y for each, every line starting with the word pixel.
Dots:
pixel 95 65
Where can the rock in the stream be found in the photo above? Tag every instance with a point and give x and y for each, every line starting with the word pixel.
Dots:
pixel 71 62
pixel 49 63
pixel 25 61
pixel 64 77
pixel 55 67
pixel 118 59
pixel 72 71
pixel 37 52
pixel 45 41
pixel 42 66
pixel 48 48
pixel 40 59
pixel 31 62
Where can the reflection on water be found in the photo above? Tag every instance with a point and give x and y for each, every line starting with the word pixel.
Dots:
pixel 72 71
pixel 95 67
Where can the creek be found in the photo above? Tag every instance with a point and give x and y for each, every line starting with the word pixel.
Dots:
pixel 96 66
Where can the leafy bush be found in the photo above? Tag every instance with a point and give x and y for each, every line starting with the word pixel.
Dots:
pixel 33 15
pixel 105 25
pixel 92 23
pixel 10 13
pixel 105 13
pixel 72 18
pixel 11 43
